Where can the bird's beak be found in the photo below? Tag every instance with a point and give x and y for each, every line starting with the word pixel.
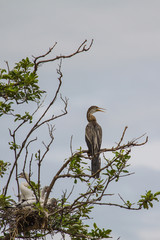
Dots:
pixel 101 109
pixel 20 175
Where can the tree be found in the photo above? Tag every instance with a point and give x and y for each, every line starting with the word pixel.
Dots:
pixel 65 215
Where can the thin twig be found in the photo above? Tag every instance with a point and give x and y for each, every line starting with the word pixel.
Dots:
pixel 26 155
pixel 122 136
pixel 81 48
pixel 71 145
pixel 39 172
pixel 42 56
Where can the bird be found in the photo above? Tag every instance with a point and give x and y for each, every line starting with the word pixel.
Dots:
pixel 27 197
pixel 51 204
pixel 93 137
pixel 26 193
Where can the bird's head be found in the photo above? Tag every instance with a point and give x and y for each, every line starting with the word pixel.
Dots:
pixel 94 109
pixel 46 188
pixel 23 175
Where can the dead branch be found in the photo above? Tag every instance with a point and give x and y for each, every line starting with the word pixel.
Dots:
pixel 50 130
pixel 122 136
pixel 80 49
pixel 44 55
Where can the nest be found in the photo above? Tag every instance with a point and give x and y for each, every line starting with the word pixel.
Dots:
pixel 28 219
pixel 25 221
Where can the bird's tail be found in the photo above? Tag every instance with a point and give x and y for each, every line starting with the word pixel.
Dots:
pixel 95 165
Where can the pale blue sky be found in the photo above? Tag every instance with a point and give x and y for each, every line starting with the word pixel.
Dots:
pixel 120 73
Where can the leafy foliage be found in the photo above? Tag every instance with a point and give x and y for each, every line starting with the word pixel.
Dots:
pixel 99 233
pixel 71 222
pixel 3 167
pixel 19 86
pixel 26 117
pixel 6 201
pixel 146 200
pixel 13 146
pixel 77 167
pixel 117 166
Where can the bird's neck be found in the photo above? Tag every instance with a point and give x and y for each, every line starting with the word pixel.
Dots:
pixel 27 177
pixel 25 184
pixel 91 118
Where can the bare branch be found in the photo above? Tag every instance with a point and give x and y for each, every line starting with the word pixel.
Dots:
pixel 42 56
pixel 8 69
pixel 122 137
pixel 17 180
pixel 80 49
pixel 116 205
pixel 71 145
pixel 50 129
pixel 26 155
pixel 30 166
pixel 52 102
pixel 39 105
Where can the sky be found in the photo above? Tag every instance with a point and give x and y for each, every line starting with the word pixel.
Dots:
pixel 120 73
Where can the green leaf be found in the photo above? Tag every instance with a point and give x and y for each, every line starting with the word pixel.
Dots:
pixel 95 225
